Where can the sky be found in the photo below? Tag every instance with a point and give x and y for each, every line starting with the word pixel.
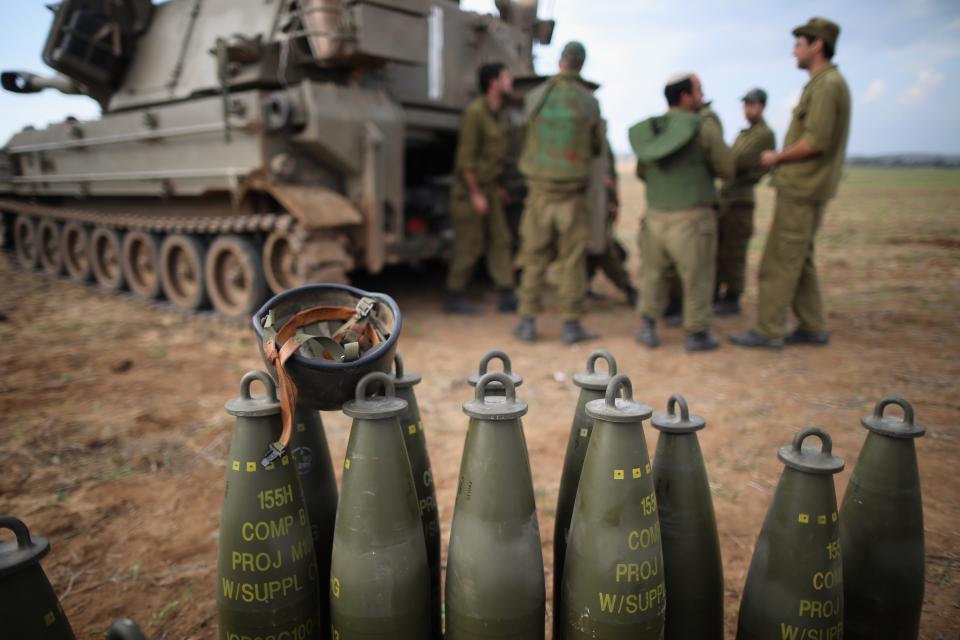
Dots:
pixel 901 59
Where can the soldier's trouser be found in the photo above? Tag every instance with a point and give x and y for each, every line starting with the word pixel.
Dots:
pixel 688 238
pixel 476 235
pixel 788 275
pixel 611 262
pixel 734 229
pixel 554 224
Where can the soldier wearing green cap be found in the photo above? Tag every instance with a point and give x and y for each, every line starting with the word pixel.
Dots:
pixel 476 207
pixel 563 134
pixel 806 176
pixel 735 220
pixel 678 155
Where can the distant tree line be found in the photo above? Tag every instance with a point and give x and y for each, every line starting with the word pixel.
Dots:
pixel 913 160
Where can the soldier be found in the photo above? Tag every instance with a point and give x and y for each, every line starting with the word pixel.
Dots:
pixel 476 207
pixel 564 132
pixel 678 155
pixel 806 177
pixel 612 260
pixel 735 222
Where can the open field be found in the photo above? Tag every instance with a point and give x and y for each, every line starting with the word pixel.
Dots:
pixel 113 435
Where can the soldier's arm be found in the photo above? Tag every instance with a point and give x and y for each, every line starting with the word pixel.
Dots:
pixel 641 170
pixel 819 130
pixel 468 144
pixel 718 153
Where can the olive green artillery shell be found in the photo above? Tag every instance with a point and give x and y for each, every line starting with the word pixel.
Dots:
pixel 311 456
pixel 496 389
pixel 593 385
pixel 693 571
pixel 881 532
pixel 613 574
pixel 495 585
pixel 379 578
pixel 29 608
pixel 266 571
pixel 411 425
pixel 794 587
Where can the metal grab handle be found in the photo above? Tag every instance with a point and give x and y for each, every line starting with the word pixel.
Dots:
pixel 905 405
pixel 480 393
pixel 605 355
pixel 389 391
pixel 677 399
pixel 252 376
pixel 826 443
pixel 499 355
pixel 19 529
pixel 398 365
pixel 618 382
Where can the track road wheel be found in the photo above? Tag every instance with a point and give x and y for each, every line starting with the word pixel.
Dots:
pixel 105 248
pixel 140 259
pixel 181 272
pixel 25 242
pixel 234 276
pixel 75 249
pixel 49 247
pixel 280 266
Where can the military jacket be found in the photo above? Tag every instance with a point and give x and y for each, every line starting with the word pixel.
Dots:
pixel 746 149
pixel 483 145
pixel 563 132
pixel 679 154
pixel 822 118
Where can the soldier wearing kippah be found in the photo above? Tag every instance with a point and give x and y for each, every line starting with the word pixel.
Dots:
pixel 735 219
pixel 806 176
pixel 563 134
pixel 678 155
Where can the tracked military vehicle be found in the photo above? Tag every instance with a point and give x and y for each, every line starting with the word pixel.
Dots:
pixel 248 145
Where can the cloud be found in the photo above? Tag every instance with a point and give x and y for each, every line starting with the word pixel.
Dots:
pixel 874 91
pixel 927 81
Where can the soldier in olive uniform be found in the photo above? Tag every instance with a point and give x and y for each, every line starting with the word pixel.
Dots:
pixel 807 173
pixel 479 222
pixel 735 222
pixel 678 155
pixel 563 133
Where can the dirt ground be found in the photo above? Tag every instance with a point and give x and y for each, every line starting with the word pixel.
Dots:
pixel 113 435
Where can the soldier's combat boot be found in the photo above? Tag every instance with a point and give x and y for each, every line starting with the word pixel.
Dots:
pixel 572 331
pixel 811 338
pixel 756 340
pixel 700 341
pixel 526 330
pixel 633 296
pixel 727 306
pixel 457 304
pixel 647 334
pixel 508 301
